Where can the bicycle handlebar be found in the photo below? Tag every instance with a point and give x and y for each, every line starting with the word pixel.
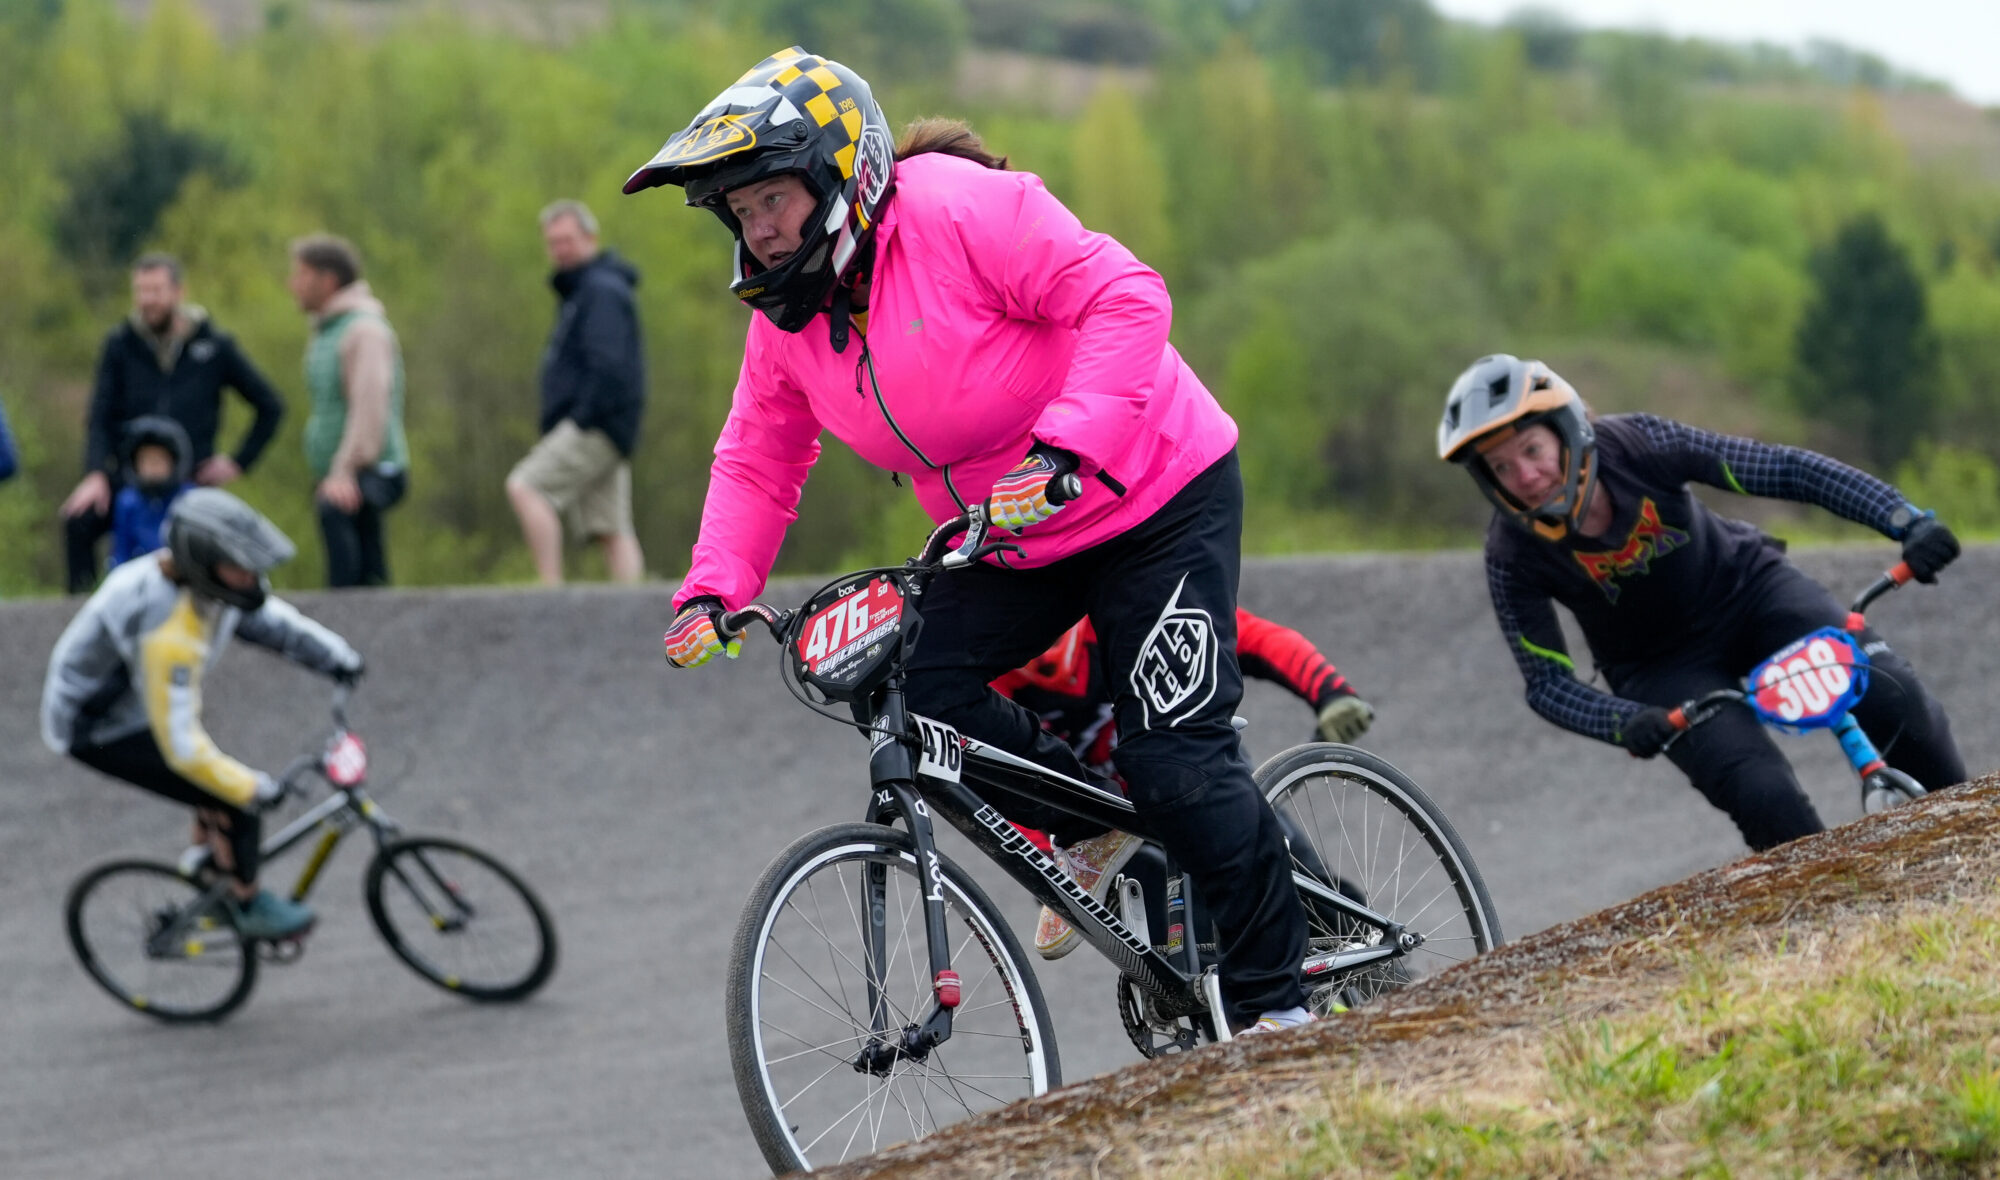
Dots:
pixel 1688 714
pixel 931 559
pixel 1898 575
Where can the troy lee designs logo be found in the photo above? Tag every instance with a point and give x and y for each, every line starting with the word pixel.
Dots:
pixel 1649 539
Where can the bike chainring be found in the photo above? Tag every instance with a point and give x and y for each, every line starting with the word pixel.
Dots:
pixel 1151 1036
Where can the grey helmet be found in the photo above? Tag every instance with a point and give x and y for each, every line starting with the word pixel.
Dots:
pixel 1495 399
pixel 207 527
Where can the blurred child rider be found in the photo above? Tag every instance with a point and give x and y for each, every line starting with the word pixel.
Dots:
pixel 156 467
pixel 1011 347
pixel 123 693
pixel 1674 600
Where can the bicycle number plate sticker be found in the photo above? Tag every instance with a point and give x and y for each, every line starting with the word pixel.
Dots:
pixel 943 752
pixel 346 761
pixel 841 636
pixel 1810 684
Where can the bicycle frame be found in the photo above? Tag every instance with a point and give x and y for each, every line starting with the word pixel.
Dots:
pixel 344 806
pixel 1177 982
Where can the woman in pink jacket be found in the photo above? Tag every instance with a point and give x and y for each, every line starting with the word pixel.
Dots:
pixel 951 319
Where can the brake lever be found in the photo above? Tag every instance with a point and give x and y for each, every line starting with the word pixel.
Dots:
pixel 974 545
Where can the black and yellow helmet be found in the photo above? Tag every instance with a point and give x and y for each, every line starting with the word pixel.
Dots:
pixel 1496 399
pixel 798 113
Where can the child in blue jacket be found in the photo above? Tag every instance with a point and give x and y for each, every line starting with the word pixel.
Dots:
pixel 156 454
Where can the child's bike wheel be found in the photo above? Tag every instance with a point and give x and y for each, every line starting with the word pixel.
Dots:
pixel 159 943
pixel 460 919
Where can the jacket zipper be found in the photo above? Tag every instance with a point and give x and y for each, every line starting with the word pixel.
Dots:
pixel 868 360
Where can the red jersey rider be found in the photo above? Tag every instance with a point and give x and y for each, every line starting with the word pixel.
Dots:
pixel 1067 689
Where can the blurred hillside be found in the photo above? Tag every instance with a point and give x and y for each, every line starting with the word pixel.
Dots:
pixel 1350 199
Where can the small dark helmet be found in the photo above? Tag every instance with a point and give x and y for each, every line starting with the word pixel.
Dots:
pixel 207 527
pixel 155 430
pixel 1497 398
pixel 792 113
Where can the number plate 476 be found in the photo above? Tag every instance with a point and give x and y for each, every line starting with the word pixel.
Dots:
pixel 942 754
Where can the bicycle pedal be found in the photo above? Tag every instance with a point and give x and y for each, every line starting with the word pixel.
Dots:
pixel 283 952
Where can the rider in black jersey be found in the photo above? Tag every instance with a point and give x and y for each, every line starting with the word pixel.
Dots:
pixel 1674 600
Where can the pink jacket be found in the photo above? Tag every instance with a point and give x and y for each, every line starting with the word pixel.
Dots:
pixel 995 319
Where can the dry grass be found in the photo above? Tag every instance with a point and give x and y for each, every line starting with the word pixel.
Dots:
pixel 1826 1009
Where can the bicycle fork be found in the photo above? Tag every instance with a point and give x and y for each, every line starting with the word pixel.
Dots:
pixel 892 770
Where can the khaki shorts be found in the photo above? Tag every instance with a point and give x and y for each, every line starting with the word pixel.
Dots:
pixel 582 475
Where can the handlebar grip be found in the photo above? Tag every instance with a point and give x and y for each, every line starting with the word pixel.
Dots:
pixel 1901 574
pixel 1678 718
pixel 736 622
pixel 1064 488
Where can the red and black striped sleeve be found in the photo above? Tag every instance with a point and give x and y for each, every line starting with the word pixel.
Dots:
pixel 1271 652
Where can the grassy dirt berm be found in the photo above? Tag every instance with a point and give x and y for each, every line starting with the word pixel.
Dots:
pixel 1825 1009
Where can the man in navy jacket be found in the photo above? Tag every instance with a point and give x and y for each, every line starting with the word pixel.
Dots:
pixel 593 381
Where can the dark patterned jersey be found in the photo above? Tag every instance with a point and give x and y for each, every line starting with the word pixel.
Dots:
pixel 1668 570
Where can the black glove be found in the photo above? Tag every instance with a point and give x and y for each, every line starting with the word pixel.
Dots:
pixel 1928 547
pixel 1647 732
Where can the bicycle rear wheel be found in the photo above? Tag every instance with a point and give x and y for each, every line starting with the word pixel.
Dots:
pixel 831 969
pixel 1358 824
pixel 158 942
pixel 460 918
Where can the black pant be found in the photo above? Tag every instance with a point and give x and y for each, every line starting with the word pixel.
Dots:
pixel 138 761
pixel 1162 597
pixel 1731 758
pixel 354 545
pixel 81 533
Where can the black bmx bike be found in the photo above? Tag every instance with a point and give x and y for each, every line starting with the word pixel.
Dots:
pixel 875 991
pixel 162 938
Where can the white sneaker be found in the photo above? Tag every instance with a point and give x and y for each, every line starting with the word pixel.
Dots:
pixel 193 860
pixel 1279 1021
pixel 1094 863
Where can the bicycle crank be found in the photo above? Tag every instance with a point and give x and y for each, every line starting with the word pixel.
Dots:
pixel 1149 1034
pixel 281 952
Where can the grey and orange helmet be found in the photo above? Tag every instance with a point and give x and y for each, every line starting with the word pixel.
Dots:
pixel 1496 399
pixel 797 113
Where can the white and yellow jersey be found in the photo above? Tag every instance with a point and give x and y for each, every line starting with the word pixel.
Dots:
pixel 134 658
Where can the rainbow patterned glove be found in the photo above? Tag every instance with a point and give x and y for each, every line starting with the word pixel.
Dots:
pixel 1021 497
pixel 693 640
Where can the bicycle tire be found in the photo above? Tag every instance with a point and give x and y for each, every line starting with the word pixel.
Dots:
pixel 450 915
pixel 765 1012
pixel 1324 790
pixel 105 930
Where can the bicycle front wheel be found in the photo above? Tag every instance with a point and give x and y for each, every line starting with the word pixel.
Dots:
pixel 158 942
pixel 1358 824
pixel 460 919
pixel 829 980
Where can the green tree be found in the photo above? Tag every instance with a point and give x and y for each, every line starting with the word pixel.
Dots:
pixel 1118 185
pixel 1865 347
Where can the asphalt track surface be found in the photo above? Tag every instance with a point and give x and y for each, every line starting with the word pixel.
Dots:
pixel 643 803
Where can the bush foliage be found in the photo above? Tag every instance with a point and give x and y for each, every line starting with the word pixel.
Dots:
pixel 1350 202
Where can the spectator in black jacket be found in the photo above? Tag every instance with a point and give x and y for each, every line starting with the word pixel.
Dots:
pixel 167 358
pixel 593 390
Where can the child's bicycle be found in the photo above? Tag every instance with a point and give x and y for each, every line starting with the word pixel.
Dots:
pixel 162 939
pixel 875 991
pixel 1813 683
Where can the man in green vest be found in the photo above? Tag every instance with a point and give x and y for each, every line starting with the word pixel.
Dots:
pixel 354 436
